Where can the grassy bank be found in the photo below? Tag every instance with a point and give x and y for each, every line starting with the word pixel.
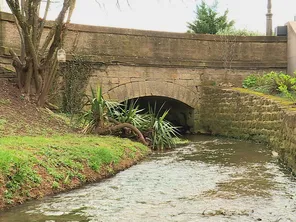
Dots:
pixel 31 167
pixel 40 154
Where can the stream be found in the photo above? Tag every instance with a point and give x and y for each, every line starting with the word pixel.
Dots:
pixel 209 179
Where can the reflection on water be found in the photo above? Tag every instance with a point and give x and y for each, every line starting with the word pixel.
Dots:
pixel 211 179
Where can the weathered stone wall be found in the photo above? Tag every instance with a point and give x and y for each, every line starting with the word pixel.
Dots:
pixel 136 63
pixel 6 68
pixel 242 115
pixel 127 82
pixel 214 58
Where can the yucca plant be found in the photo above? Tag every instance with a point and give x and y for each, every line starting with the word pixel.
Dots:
pixel 100 112
pixel 162 131
pixel 96 115
pixel 130 113
pixel 128 116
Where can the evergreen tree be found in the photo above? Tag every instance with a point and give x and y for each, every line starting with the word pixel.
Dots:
pixel 208 21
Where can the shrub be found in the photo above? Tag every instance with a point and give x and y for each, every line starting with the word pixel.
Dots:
pixel 250 81
pixel 274 83
pixel 238 32
pixel 95 117
pixel 160 132
pixel 129 113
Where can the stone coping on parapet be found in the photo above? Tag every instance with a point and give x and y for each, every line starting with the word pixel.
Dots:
pixel 179 62
pixel 135 32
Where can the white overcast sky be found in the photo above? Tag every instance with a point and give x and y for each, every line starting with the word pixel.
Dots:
pixel 173 15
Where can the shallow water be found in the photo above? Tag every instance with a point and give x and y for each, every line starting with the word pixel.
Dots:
pixel 211 179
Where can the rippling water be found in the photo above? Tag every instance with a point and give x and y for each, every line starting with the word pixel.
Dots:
pixel 211 179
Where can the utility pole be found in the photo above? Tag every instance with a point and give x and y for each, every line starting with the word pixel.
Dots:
pixel 269 19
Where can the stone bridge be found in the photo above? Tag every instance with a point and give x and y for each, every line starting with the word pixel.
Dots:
pixel 171 67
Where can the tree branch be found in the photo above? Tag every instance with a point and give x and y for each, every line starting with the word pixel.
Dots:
pixel 18 65
pixel 121 126
pixel 41 28
pixel 54 36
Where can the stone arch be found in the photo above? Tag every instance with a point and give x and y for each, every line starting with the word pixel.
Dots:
pixel 137 89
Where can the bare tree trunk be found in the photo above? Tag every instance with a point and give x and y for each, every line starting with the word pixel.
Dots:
pixel 49 78
pixel 28 80
pixel 37 66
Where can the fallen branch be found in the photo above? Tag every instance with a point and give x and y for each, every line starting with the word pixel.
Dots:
pixel 110 130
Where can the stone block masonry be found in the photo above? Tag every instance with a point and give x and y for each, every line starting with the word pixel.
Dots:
pixel 243 115
pixel 132 63
pixel 214 58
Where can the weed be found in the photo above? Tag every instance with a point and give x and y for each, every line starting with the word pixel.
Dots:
pixel 55 185
pixel 54 173
pixel 8 194
pixel 5 101
pixel 67 179
pixel 2 124
pixel 250 81
pixel 81 177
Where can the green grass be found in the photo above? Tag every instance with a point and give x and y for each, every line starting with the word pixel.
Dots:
pixel 62 157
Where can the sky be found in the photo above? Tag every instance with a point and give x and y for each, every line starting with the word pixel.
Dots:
pixel 173 15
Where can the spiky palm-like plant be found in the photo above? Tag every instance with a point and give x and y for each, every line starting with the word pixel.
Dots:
pixel 97 114
pixel 162 131
pixel 130 113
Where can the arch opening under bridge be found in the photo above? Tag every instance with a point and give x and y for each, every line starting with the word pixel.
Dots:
pixel 180 100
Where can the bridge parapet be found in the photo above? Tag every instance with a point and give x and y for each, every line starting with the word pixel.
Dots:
pixel 152 48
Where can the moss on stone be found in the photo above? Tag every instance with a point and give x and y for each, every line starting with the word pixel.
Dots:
pixel 282 101
pixel 249 115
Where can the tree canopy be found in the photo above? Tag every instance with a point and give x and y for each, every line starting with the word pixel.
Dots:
pixel 208 21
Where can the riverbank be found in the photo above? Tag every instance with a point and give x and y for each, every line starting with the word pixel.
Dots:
pixel 33 167
pixel 201 181
pixel 40 154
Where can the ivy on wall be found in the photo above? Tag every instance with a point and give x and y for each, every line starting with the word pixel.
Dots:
pixel 74 77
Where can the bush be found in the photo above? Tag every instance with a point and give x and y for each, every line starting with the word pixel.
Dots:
pixel 129 113
pixel 153 124
pixel 95 117
pixel 250 81
pixel 274 83
pixel 161 133
pixel 238 32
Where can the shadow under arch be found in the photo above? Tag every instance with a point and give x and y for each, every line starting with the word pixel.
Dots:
pixel 181 100
pixel 180 114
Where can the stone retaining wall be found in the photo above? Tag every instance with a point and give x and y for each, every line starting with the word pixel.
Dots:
pixel 243 115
